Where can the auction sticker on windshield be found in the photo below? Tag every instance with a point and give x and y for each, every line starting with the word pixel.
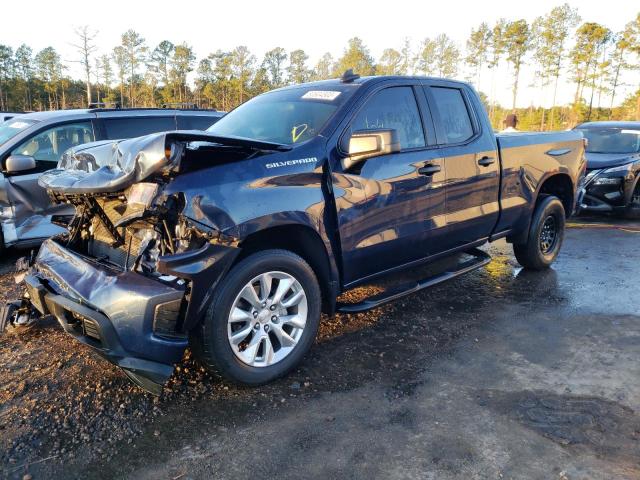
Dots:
pixel 321 95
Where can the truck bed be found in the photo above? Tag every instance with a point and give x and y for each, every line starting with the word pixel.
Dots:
pixel 528 159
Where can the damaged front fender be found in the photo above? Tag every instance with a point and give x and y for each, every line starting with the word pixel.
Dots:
pixel 204 268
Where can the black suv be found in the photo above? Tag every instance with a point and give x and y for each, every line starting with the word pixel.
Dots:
pixel 33 143
pixel 612 184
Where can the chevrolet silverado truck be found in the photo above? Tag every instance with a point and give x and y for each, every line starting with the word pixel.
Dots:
pixel 234 240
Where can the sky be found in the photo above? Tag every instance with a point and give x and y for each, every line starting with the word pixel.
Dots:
pixel 314 26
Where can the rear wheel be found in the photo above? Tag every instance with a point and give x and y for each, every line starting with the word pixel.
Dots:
pixel 262 320
pixel 546 234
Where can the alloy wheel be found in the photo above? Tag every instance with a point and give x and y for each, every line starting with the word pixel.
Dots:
pixel 267 319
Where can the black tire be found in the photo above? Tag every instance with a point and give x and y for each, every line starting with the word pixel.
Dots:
pixel 209 341
pixel 539 252
pixel 633 209
pixel 2 247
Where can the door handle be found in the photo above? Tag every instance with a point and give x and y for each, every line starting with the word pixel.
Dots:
pixel 429 169
pixel 486 161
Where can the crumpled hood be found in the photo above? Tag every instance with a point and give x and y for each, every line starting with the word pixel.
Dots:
pixel 107 166
pixel 111 166
pixel 608 160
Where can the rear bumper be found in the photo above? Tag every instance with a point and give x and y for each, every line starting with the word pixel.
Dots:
pixel 112 311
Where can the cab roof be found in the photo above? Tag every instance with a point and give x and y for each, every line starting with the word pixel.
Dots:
pixel 369 80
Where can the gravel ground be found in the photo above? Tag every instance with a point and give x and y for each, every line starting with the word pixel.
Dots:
pixel 365 395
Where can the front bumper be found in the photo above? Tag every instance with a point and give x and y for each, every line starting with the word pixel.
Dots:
pixel 610 197
pixel 113 311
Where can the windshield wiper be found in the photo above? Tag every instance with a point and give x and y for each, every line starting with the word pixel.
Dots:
pixel 229 141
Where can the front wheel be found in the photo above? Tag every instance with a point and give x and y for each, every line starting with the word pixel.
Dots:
pixel 262 320
pixel 546 234
pixel 633 209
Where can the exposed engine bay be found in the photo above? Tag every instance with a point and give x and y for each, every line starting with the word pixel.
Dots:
pixel 122 220
pixel 133 229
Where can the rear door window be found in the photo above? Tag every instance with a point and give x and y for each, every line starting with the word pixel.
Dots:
pixel 123 127
pixel 195 122
pixel 454 114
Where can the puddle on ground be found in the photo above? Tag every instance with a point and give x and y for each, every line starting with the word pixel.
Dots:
pixel 602 426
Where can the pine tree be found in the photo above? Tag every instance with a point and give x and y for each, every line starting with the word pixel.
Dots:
pixel 447 56
pixel 550 34
pixel 135 51
pixel 426 59
pixel 517 41
pixel 181 64
pixel 390 63
pixel 497 46
pixel 242 65
pixel 297 69
pixel 6 72
pixel 619 59
pixel 273 63
pixel 24 69
pixel 120 59
pixel 478 49
pixel 324 68
pixel 591 38
pixel 356 57
pixel 159 61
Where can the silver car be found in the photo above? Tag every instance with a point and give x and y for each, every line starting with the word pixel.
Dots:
pixel 33 143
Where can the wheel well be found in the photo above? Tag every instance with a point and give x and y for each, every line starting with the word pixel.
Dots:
pixel 302 241
pixel 561 186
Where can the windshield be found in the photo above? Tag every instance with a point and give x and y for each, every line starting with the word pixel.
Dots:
pixel 612 140
pixel 287 116
pixel 11 128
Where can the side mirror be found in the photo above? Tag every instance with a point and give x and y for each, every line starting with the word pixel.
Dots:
pixel 365 144
pixel 19 163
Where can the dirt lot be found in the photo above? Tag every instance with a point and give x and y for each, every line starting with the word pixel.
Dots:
pixel 499 374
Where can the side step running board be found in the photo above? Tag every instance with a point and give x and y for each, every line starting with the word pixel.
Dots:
pixel 480 259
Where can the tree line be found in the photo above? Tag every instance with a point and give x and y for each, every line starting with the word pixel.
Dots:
pixel 133 74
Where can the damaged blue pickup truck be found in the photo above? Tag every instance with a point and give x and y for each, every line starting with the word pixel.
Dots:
pixel 234 240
